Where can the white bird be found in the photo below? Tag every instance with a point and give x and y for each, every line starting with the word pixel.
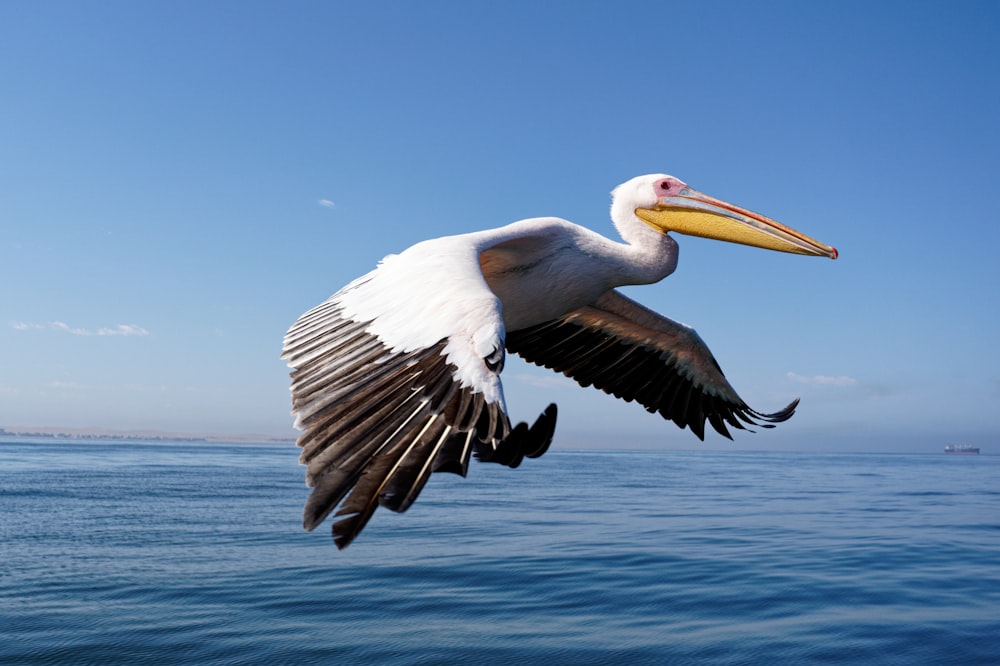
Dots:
pixel 397 375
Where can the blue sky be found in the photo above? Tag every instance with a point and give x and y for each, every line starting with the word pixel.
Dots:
pixel 179 181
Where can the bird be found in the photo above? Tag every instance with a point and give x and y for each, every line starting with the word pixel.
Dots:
pixel 398 374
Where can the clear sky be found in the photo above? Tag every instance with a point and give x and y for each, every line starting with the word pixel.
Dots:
pixel 180 180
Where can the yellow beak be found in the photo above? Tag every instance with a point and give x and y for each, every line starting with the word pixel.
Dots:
pixel 695 214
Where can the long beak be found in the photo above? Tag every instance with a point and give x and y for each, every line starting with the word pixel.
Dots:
pixel 695 214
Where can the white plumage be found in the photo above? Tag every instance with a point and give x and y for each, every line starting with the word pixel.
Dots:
pixel 397 375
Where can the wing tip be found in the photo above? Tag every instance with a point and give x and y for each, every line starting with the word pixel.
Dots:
pixel 736 417
pixel 779 416
pixel 523 441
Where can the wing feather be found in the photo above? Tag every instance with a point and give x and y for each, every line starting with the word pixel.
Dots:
pixel 394 379
pixel 635 354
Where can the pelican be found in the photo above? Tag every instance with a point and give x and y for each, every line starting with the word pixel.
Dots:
pixel 397 375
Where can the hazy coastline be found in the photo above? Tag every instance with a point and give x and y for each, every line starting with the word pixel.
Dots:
pixel 95 433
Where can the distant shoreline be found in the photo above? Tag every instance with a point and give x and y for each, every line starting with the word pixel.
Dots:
pixel 90 434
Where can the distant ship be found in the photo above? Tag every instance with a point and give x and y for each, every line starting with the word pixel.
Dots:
pixel 962 450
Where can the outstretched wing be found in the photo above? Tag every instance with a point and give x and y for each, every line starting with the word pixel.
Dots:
pixel 633 353
pixel 395 377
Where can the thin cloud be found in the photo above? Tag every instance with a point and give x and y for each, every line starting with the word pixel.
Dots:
pixel 68 386
pixel 24 326
pixel 124 329
pixel 62 326
pixel 121 330
pixel 822 380
pixel 326 203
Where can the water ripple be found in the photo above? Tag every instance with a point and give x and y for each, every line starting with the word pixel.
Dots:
pixel 179 554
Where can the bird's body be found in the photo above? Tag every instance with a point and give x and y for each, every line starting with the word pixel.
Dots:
pixel 551 252
pixel 397 375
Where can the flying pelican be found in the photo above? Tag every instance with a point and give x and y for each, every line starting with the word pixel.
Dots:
pixel 397 375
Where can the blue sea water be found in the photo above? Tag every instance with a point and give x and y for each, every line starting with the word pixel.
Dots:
pixel 189 553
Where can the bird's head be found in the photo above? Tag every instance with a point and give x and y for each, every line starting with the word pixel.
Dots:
pixel 667 204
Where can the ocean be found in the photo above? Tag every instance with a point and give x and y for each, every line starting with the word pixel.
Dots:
pixel 192 553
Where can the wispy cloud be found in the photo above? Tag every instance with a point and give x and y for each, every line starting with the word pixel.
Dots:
pixel 67 386
pixel 822 380
pixel 326 203
pixel 125 329
pixel 121 330
pixel 23 326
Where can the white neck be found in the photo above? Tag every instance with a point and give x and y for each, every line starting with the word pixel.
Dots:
pixel 649 254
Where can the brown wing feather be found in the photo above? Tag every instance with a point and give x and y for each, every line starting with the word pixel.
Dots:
pixel 377 423
pixel 631 352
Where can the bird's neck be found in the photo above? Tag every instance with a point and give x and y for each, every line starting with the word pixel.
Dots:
pixel 649 254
